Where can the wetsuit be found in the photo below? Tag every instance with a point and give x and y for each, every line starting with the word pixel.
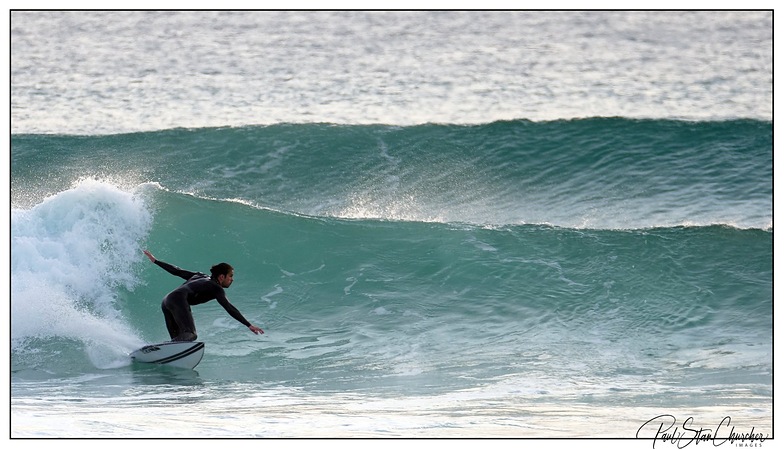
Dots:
pixel 197 289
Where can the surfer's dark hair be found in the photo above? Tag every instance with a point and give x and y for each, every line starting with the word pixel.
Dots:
pixel 220 269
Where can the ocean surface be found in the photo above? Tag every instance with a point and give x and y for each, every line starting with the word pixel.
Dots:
pixel 448 224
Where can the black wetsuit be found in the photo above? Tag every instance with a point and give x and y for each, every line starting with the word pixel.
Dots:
pixel 197 289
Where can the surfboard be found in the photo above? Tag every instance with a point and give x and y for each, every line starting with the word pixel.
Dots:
pixel 182 354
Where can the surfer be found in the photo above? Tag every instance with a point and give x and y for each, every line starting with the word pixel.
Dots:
pixel 197 289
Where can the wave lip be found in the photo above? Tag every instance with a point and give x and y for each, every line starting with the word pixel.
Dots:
pixel 597 173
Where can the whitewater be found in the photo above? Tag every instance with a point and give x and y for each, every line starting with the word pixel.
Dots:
pixel 562 228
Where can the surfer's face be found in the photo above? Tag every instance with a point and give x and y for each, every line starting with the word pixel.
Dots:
pixel 225 280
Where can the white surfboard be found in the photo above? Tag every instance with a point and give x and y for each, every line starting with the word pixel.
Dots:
pixel 182 354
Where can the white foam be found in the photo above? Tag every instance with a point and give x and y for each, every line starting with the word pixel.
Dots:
pixel 70 256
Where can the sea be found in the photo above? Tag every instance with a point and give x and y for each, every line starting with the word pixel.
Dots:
pixel 500 225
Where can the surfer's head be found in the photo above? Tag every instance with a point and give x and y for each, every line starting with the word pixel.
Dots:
pixel 223 274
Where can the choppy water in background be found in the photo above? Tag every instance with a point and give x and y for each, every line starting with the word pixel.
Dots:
pixel 88 73
pixel 562 228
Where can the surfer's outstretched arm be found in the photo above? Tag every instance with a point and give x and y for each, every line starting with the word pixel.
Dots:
pixel 172 269
pixel 235 313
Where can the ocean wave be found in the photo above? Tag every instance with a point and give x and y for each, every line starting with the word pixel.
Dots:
pixel 600 173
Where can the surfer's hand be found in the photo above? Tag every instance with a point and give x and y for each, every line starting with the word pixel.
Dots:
pixel 255 330
pixel 149 255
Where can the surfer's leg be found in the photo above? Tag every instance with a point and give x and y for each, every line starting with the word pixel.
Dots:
pixel 180 311
pixel 171 324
